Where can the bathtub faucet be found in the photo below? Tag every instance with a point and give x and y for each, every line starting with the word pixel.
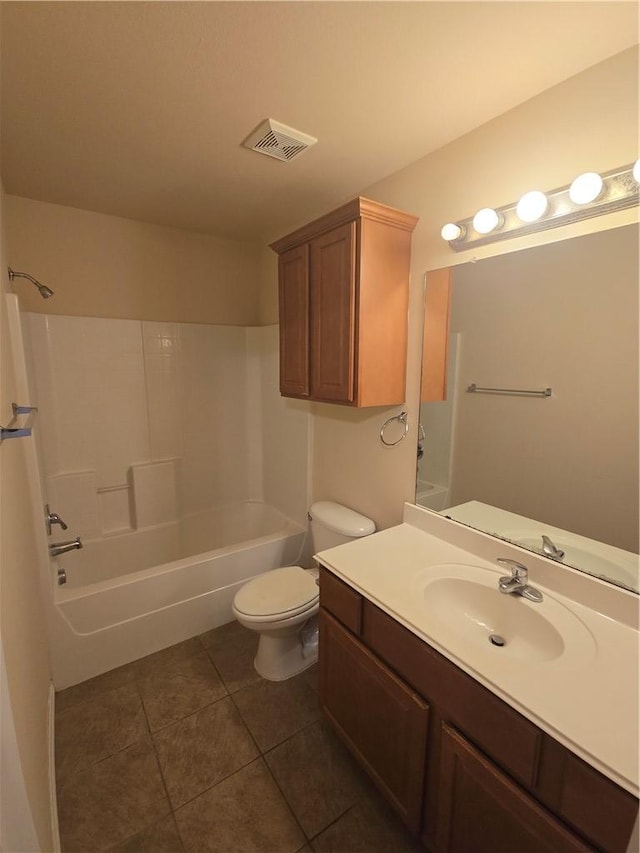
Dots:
pixel 57 548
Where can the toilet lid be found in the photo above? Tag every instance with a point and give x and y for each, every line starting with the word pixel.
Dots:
pixel 277 591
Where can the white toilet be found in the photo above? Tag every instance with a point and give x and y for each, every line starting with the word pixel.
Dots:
pixel 282 604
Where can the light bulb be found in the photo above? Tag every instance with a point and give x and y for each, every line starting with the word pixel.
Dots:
pixel 531 206
pixel 636 172
pixel 485 220
pixel 586 188
pixel 451 231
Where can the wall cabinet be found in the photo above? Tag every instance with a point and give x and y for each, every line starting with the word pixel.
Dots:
pixel 465 771
pixel 343 303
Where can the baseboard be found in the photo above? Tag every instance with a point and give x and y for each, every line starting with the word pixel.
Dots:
pixel 53 800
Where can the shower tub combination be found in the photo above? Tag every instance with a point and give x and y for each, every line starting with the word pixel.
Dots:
pixel 132 594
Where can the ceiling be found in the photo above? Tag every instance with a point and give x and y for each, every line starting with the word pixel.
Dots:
pixel 139 109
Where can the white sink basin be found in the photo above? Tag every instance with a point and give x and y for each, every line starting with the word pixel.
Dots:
pixel 464 609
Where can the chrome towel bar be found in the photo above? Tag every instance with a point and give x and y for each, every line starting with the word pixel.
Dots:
pixel 515 392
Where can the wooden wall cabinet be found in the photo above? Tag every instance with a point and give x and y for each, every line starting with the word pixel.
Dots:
pixel 343 304
pixel 465 771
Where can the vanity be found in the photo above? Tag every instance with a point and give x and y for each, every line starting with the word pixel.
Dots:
pixel 488 721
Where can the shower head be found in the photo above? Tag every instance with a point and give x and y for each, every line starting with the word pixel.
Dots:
pixel 45 291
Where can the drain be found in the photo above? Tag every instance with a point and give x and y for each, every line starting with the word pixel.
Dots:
pixel 497 640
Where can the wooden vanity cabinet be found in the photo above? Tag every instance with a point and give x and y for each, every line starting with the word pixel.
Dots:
pixel 486 778
pixel 343 303
pixel 381 719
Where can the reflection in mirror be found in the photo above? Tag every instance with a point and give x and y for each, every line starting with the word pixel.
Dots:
pixel 556 474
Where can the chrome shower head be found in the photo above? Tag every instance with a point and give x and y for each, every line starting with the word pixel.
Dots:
pixel 45 291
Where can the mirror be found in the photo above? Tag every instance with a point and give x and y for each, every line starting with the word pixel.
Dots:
pixel 527 465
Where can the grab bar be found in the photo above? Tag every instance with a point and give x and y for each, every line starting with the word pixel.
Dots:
pixel 517 392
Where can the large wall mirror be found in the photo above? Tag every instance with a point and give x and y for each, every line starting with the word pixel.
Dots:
pixel 556 472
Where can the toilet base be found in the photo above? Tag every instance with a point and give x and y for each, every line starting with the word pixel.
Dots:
pixel 279 658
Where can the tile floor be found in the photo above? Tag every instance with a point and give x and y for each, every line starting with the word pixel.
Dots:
pixel 190 750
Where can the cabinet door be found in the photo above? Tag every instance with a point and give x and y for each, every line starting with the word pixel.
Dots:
pixel 480 810
pixel 293 275
pixel 381 720
pixel 333 295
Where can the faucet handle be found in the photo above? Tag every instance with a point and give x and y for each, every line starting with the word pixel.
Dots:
pixel 518 571
pixel 53 518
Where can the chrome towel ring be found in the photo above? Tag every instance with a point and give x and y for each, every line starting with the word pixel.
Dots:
pixel 401 418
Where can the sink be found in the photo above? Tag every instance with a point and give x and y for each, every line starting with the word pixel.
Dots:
pixel 463 607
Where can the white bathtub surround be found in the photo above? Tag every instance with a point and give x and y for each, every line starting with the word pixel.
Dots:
pixel 154 493
pixel 166 447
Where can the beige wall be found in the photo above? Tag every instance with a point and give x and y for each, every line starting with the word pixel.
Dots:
pixel 106 266
pixel 22 620
pixel 588 122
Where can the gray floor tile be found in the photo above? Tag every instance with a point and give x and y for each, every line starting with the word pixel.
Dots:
pixel 244 813
pixel 170 657
pixel 97 728
pixel 202 749
pixel 163 837
pixel 94 687
pixel 179 687
pixel 368 827
pixel 317 776
pixel 232 648
pixel 275 710
pixel 112 800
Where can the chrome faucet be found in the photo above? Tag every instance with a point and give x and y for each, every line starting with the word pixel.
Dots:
pixel 52 518
pixel 516 582
pixel 549 549
pixel 57 548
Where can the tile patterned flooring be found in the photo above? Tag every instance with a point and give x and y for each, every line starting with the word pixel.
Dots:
pixel 190 750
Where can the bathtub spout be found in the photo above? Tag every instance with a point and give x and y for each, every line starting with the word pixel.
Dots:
pixel 57 548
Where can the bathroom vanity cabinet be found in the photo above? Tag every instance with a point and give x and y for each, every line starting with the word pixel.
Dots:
pixel 343 303
pixel 466 772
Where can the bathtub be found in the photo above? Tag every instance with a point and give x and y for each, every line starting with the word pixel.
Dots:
pixel 132 594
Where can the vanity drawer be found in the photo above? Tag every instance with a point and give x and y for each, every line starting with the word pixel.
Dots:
pixel 505 735
pixel 341 601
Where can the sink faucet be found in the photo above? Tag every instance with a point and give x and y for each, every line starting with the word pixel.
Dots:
pixel 549 549
pixel 57 548
pixel 516 583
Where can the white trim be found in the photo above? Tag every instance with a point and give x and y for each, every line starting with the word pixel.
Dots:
pixel 53 800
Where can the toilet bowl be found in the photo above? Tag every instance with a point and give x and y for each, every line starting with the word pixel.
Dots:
pixel 282 605
pixel 278 604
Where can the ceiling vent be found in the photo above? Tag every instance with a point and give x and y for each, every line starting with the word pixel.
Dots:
pixel 279 141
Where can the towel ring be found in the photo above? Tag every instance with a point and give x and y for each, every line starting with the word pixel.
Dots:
pixel 401 418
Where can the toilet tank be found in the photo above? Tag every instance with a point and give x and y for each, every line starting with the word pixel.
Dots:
pixel 333 524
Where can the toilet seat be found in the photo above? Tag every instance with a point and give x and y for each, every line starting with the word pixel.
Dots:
pixel 277 594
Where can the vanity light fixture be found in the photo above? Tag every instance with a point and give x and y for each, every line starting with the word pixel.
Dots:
pixel 532 206
pixel 590 194
pixel 451 231
pixel 585 188
pixel 486 220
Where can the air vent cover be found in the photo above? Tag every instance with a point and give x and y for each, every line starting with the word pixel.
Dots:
pixel 279 141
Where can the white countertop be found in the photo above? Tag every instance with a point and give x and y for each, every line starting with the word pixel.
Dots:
pixel 590 705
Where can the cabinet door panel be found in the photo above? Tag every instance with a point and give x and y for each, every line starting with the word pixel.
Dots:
pixel 333 294
pixel 293 269
pixel 383 722
pixel 480 810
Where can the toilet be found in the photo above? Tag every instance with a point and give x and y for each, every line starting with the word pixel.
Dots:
pixel 282 604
